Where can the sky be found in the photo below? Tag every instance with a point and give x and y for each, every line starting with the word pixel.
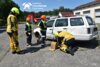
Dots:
pixel 45 5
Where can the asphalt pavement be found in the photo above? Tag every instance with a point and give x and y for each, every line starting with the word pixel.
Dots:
pixel 88 54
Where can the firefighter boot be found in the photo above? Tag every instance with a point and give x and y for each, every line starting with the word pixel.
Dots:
pixel 18 50
pixel 70 51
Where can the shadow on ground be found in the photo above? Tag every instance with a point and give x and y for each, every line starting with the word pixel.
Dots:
pixel 35 44
pixel 2 29
pixel 33 48
pixel 89 44
pixel 30 50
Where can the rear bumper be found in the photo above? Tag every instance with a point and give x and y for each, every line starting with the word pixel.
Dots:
pixel 86 37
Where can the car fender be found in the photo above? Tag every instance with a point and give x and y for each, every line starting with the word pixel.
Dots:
pixel 37 30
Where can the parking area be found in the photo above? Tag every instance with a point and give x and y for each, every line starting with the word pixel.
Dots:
pixel 88 54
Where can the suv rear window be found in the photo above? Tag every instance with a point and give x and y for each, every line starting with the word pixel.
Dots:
pixel 61 22
pixel 90 21
pixel 76 21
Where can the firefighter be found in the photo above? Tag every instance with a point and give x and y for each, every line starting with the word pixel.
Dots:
pixel 28 29
pixel 12 30
pixel 66 42
pixel 43 28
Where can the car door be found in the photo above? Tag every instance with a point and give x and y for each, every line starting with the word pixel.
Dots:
pixel 61 25
pixel 49 29
pixel 77 27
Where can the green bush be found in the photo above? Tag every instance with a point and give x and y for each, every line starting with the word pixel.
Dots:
pixel 2 22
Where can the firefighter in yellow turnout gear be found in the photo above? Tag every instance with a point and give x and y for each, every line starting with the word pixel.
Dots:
pixel 66 42
pixel 12 30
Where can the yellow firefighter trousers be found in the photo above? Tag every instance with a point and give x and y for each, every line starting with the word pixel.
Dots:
pixel 14 46
pixel 64 47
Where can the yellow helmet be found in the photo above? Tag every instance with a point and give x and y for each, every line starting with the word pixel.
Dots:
pixel 15 10
pixel 56 34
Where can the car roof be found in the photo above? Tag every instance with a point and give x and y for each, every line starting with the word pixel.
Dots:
pixel 72 16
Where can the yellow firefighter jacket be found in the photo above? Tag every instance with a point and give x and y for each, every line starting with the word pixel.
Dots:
pixel 12 24
pixel 66 35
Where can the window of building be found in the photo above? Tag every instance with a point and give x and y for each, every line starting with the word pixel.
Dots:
pixel 86 12
pixel 97 16
pixel 61 22
pixel 78 13
pixel 97 10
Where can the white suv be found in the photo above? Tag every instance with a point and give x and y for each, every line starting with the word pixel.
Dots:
pixel 82 27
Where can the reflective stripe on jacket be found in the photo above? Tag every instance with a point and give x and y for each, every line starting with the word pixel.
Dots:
pixel 28 27
pixel 42 25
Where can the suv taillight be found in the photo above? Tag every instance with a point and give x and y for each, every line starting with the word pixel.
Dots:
pixel 95 29
pixel 88 30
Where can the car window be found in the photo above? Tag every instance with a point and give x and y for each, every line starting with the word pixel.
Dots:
pixel 90 21
pixel 61 22
pixel 50 23
pixel 76 21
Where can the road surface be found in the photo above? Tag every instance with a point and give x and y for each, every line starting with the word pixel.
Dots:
pixel 35 56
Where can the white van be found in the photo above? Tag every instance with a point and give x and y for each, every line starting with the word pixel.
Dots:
pixel 82 27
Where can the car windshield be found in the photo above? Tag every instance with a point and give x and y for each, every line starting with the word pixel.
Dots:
pixel 90 21
pixel 50 23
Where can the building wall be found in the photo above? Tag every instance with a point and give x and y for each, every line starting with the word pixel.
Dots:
pixel 93 11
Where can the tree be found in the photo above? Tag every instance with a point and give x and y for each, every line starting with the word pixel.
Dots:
pixel 7 4
pixel 5 7
pixel 55 11
pixel 61 8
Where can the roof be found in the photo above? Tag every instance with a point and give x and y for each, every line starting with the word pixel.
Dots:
pixel 66 14
pixel 96 2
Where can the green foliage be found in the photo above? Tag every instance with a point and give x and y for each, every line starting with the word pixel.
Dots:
pixel 56 11
pixel 5 7
pixel 61 9
pixel 21 16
